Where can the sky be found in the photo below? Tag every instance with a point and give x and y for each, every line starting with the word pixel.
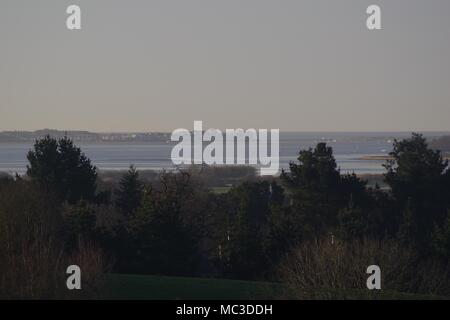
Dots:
pixel 158 65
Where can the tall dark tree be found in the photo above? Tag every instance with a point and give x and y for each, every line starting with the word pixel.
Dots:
pixel 415 170
pixel 129 195
pixel 318 190
pixel 60 166
pixel 352 222
pixel 244 240
pixel 250 230
pixel 420 183
pixel 161 241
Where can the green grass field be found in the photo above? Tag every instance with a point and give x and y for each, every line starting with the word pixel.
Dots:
pixel 124 286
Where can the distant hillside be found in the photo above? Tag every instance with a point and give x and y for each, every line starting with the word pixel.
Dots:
pixel 83 136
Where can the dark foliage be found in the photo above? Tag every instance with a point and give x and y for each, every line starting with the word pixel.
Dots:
pixel 59 166
pixel 130 192
pixel 174 224
pixel 420 184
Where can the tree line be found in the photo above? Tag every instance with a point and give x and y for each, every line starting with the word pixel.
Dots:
pixel 177 225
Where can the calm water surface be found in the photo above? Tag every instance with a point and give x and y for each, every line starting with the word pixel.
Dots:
pixel 348 149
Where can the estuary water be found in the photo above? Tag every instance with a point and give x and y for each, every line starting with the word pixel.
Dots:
pixel 353 151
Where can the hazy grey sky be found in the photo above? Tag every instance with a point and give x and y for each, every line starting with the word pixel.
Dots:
pixel 289 64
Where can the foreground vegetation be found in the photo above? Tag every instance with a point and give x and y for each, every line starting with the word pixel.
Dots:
pixel 313 231
pixel 126 286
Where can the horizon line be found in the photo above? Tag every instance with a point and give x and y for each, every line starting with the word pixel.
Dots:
pixel 281 131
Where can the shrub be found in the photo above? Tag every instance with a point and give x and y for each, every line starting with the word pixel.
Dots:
pixel 336 271
pixel 33 251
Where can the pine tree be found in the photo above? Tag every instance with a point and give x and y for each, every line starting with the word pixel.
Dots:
pixel 62 168
pixel 129 195
pixel 352 222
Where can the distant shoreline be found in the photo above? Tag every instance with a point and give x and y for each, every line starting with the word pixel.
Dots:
pixel 80 136
pixel 386 157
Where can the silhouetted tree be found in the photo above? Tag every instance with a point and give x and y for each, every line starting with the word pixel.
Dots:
pixel 60 166
pixel 80 222
pixel 420 184
pixel 318 190
pixel 248 235
pixel 352 222
pixel 129 195
pixel 161 240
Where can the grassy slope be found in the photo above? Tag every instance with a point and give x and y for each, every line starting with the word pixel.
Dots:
pixel 124 286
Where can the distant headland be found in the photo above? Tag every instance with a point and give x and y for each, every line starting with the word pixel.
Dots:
pixel 85 136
